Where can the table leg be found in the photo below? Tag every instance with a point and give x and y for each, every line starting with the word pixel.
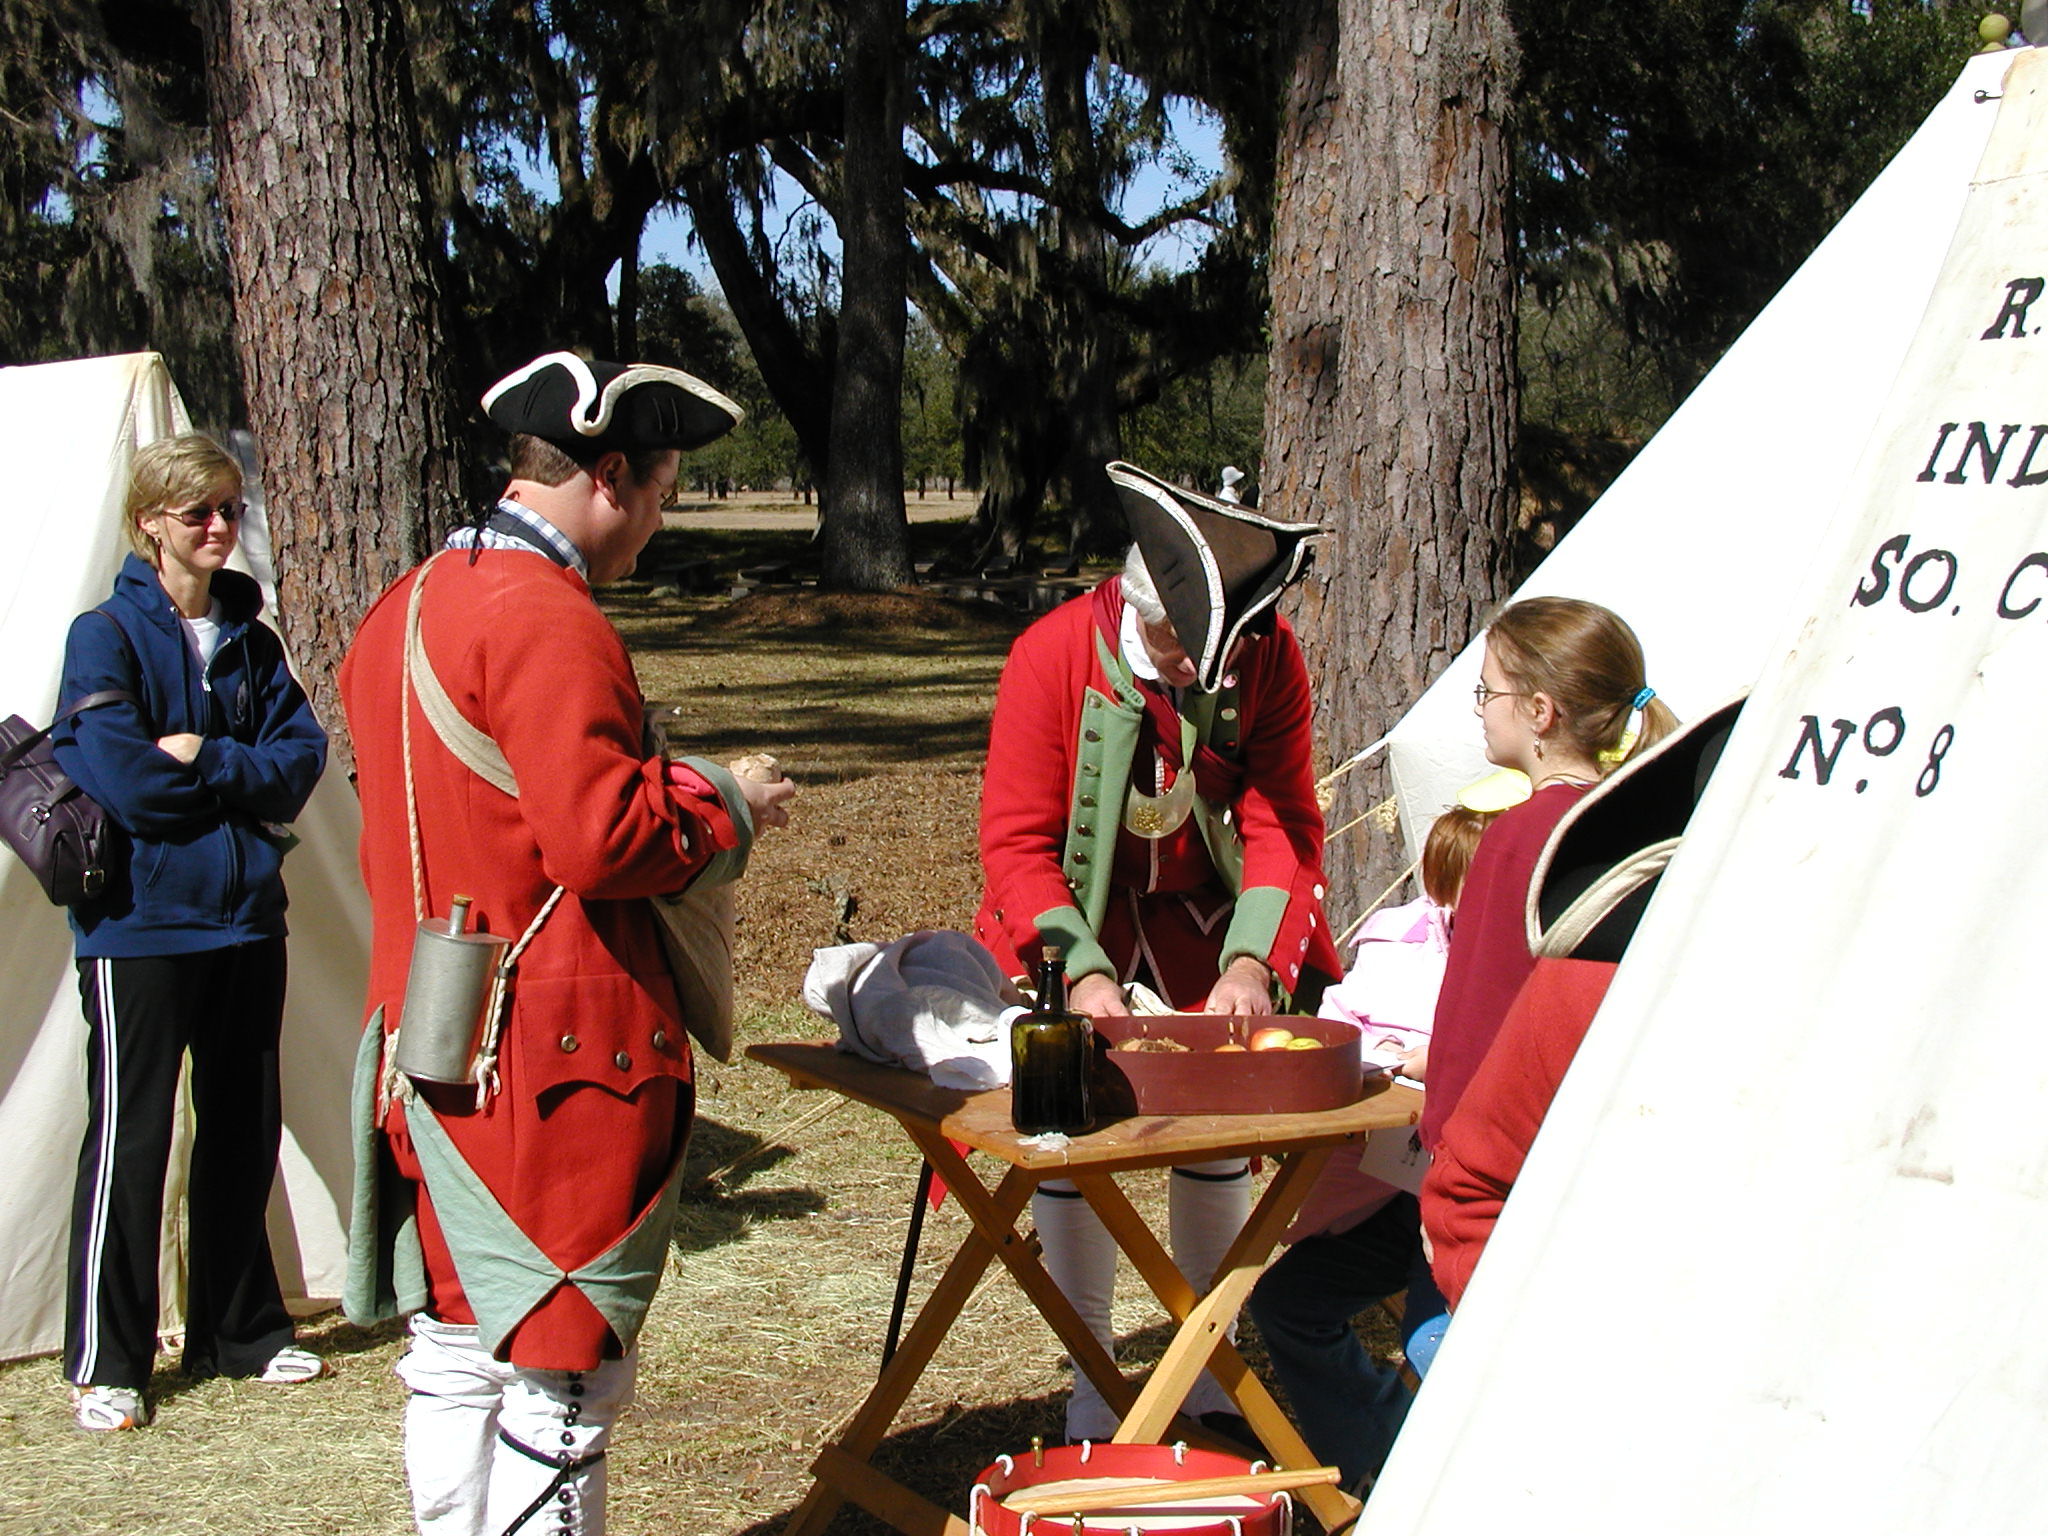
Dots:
pixel 864 1431
pixel 996 1225
pixel 1202 1340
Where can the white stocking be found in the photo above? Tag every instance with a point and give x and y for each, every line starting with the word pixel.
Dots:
pixel 451 1425
pixel 551 1420
pixel 1206 1205
pixel 1080 1256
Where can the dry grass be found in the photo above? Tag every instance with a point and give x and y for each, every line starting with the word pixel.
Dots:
pixel 767 1334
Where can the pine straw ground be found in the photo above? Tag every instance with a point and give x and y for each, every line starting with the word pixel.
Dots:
pixel 767 1332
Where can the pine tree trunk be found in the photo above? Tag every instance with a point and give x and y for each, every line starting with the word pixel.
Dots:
pixel 337 314
pixel 1391 402
pixel 866 543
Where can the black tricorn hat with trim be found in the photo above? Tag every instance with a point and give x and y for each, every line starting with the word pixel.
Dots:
pixel 584 406
pixel 1602 863
pixel 1219 568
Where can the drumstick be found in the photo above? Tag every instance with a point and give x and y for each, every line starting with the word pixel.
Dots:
pixel 1115 1495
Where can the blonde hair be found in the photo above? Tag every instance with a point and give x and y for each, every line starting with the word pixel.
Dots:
pixel 1589 663
pixel 1447 852
pixel 171 472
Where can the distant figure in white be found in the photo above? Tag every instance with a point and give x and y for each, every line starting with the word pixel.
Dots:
pixel 1231 475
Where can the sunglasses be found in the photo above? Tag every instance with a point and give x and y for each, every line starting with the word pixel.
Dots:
pixel 229 512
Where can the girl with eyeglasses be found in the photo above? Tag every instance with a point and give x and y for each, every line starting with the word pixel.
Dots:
pixel 184 950
pixel 1563 697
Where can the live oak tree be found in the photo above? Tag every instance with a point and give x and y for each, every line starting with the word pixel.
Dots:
pixel 1391 402
pixel 337 310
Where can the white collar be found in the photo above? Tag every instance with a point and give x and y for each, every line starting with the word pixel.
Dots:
pixel 1132 644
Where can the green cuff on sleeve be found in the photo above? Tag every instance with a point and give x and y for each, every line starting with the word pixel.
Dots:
pixel 728 864
pixel 1066 927
pixel 1255 924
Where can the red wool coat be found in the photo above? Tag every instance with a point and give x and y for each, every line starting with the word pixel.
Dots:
pixel 1489 958
pixel 1049 789
pixel 1487 1139
pixel 595 1066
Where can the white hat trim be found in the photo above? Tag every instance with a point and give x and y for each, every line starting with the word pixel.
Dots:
pixel 1168 499
pixel 1163 498
pixel 596 423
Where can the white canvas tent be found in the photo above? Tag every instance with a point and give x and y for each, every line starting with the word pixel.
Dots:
pixel 1704 542
pixel 69 430
pixel 1774 1264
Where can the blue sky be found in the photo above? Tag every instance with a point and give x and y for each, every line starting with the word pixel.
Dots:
pixel 1197 131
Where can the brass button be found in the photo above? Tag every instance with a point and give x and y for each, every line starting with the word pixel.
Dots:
pixel 625 1062
pixel 661 1039
pixel 1080 858
pixel 1091 734
pixel 1087 802
pixel 1091 768
pixel 1085 830
pixel 570 1042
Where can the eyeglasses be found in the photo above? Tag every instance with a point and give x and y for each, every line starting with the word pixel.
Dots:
pixel 1483 695
pixel 229 512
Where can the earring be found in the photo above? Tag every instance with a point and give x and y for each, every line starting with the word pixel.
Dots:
pixel 1539 749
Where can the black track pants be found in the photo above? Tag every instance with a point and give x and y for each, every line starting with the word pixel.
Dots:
pixel 142 1015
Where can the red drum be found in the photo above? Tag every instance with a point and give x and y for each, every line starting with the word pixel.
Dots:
pixel 1082 1469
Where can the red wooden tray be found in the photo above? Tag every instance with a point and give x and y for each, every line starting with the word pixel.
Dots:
pixel 1205 1081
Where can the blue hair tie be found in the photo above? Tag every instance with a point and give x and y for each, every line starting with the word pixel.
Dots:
pixel 1644 697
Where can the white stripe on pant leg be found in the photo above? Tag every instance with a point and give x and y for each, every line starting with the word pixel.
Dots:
pixel 99 1212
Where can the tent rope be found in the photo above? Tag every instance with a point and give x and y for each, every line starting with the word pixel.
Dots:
pixel 1378 902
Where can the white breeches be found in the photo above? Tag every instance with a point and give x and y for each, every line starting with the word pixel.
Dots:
pixel 491 1448
pixel 1206 1203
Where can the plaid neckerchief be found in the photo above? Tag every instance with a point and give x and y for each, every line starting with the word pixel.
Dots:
pixel 535 533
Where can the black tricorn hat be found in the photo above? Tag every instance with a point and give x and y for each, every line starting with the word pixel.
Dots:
pixel 1219 568
pixel 1595 876
pixel 585 406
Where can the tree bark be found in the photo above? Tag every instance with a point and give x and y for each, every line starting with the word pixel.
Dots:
pixel 866 534
pixel 337 310
pixel 1391 404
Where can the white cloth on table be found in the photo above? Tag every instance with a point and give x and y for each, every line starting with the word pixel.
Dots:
pixel 931 1001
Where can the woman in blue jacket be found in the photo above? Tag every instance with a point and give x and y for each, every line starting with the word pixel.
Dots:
pixel 185 948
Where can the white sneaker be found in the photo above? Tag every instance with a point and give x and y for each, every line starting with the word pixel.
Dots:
pixel 290 1366
pixel 104 1408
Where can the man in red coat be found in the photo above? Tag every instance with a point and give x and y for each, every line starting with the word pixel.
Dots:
pixel 540 1193
pixel 1149 806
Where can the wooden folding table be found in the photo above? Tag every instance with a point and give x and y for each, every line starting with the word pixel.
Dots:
pixel 937 1118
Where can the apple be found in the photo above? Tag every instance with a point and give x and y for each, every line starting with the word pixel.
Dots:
pixel 1230 1045
pixel 1272 1038
pixel 1304 1043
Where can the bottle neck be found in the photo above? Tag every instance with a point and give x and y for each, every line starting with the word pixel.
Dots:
pixel 1052 987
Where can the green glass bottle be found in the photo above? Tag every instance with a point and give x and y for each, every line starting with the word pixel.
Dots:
pixel 1051 1050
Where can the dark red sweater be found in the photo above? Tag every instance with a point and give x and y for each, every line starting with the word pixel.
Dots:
pixel 1489 957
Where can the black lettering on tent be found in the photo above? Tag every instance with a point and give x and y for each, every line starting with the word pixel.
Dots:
pixel 1894 720
pixel 1880 582
pixel 1940 443
pixel 1823 761
pixel 2019 293
pixel 1978 437
pixel 2038 561
pixel 2026 474
pixel 1914 604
